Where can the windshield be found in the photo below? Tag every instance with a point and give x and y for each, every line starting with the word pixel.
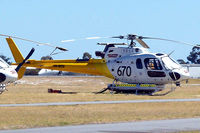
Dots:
pixel 169 63
pixel 3 64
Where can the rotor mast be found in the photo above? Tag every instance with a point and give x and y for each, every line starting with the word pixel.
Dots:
pixel 133 37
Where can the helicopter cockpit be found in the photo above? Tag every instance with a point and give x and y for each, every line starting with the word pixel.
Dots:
pixel 170 63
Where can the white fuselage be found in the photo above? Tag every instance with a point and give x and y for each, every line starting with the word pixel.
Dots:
pixel 137 65
pixel 47 72
pixel 7 73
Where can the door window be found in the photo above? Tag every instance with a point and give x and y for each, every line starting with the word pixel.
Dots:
pixel 139 64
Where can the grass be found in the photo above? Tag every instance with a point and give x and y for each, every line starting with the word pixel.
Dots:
pixel 188 132
pixel 29 117
pixel 34 89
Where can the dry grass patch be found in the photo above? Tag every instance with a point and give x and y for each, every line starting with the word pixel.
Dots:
pixel 29 117
pixel 34 89
pixel 188 132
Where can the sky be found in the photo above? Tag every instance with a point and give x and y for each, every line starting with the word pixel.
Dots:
pixel 51 21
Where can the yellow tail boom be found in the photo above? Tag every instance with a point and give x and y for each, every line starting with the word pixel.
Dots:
pixel 92 66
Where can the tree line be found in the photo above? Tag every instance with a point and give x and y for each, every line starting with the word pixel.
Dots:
pixel 193 57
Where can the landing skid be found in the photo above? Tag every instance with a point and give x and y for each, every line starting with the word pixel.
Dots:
pixel 163 94
pixel 101 91
pixel 138 89
pixel 2 88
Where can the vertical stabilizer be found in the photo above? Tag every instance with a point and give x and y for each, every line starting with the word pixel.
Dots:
pixel 17 56
pixel 15 51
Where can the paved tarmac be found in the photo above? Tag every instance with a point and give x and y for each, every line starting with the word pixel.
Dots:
pixel 155 126
pixel 100 102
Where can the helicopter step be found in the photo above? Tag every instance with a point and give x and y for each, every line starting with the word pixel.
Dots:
pixel 138 89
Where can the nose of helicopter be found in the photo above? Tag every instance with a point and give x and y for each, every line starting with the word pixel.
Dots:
pixel 11 76
pixel 184 74
pixel 179 74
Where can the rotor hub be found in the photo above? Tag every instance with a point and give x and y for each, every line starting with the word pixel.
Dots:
pixel 131 37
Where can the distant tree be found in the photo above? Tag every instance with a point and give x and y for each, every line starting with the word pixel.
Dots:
pixel 194 56
pixel 6 59
pixel 86 55
pixel 46 57
pixel 181 61
pixel 35 71
pixel 32 71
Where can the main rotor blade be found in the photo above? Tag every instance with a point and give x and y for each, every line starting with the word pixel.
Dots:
pixel 62 49
pixel 87 38
pixel 70 40
pixel 142 43
pixel 120 37
pixel 163 39
pixel 26 40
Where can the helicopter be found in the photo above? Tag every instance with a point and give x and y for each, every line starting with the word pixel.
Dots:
pixel 133 69
pixel 9 74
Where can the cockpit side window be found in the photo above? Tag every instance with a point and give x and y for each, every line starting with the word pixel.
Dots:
pixel 152 64
pixel 139 64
